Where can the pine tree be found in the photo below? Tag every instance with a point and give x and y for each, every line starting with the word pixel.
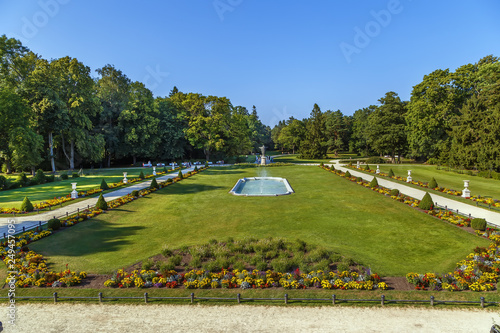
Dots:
pixel 104 185
pixel 426 202
pixel 433 183
pixel 154 183
pixel 180 174
pixel 374 182
pixel 27 206
pixel 101 203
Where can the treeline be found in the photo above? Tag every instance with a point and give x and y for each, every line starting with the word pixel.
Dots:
pixel 55 114
pixel 452 118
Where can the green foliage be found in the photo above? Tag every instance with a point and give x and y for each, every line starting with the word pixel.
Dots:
pixel 104 186
pixel 426 202
pixel 169 180
pixel 22 180
pixel 141 175
pixel 195 168
pixel 206 164
pixel 394 192
pixel 332 168
pixel 391 173
pixel 64 176
pixel 375 160
pixel 148 264
pixel 154 183
pixel 180 175
pixel 347 174
pixel 166 251
pixel 27 206
pixel 101 203
pixel 359 179
pixel 478 224
pixel 134 193
pixel 39 177
pixel 367 167
pixel 54 224
pixel 374 182
pixel 3 182
pixel 433 183
pixel 315 143
pixel 75 175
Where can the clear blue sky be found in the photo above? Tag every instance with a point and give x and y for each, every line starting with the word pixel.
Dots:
pixel 281 56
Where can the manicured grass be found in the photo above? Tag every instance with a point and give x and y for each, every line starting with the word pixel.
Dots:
pixel 478 185
pixel 37 193
pixel 290 158
pixel 326 210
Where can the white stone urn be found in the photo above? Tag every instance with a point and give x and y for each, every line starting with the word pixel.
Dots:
pixel 357 164
pixel 466 191
pixel 74 193
pixel 154 171
pixel 378 169
pixel 125 180
pixel 409 179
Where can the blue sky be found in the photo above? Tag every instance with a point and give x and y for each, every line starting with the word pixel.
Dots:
pixel 281 56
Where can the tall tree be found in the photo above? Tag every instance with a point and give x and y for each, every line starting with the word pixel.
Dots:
pixel 315 144
pixel 336 129
pixel 359 138
pixel 292 135
pixel 171 128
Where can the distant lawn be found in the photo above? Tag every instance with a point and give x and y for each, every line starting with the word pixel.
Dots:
pixel 37 193
pixel 294 158
pixel 478 185
pixel 392 238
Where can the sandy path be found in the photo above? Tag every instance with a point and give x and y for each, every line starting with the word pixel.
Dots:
pixel 198 318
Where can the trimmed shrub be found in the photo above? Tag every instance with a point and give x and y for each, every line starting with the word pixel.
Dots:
pixel 426 202
pixel 169 180
pixel 39 177
pixel 154 183
pixel 394 192
pixel 478 224
pixel 104 185
pixel 54 224
pixel 375 160
pixel 332 168
pixel 134 193
pixel 433 183
pixel 50 179
pixel 22 179
pixel 359 179
pixel 347 174
pixel 367 168
pixel 101 203
pixel 180 175
pixel 3 183
pixel 141 175
pixel 75 175
pixel 322 164
pixel 206 164
pixel 391 173
pixel 374 182
pixel 195 168
pixel 26 206
pixel 165 169
pixel 64 176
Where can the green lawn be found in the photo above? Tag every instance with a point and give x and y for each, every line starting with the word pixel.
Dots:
pixel 392 238
pixel 478 185
pixel 13 198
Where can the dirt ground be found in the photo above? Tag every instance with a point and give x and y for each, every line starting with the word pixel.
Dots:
pixel 242 318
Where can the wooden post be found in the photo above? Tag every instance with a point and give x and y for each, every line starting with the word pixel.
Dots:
pixel 333 299
pixel 100 297
pixel 432 300
pixel 238 298
pixel 55 297
pixel 482 302
pixel 146 298
pixel 382 301
pixel 192 297
pixel 286 298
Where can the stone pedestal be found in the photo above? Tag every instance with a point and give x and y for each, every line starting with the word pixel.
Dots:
pixel 263 160
pixel 125 180
pixel 378 169
pixel 357 164
pixel 409 179
pixel 154 171
pixel 466 191
pixel 74 193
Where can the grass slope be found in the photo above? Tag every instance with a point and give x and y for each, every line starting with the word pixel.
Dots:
pixel 326 210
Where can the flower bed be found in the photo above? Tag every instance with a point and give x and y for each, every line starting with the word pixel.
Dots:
pixel 486 201
pixel 203 279
pixel 478 272
pixel 27 268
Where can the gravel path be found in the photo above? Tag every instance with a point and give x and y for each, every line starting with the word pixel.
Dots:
pixel 241 318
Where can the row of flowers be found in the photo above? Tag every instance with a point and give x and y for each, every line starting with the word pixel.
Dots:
pixel 202 279
pixel 477 272
pixel 58 201
pixel 487 201
pixel 28 268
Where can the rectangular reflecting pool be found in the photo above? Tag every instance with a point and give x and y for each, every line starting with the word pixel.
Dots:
pixel 262 186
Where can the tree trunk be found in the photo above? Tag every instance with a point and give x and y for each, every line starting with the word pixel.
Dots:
pixel 64 148
pixel 8 165
pixel 72 155
pixel 393 159
pixel 33 172
pixel 134 160
pixel 109 160
pixel 51 150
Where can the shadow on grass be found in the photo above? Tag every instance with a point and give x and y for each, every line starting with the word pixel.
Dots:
pixel 185 188
pixel 88 238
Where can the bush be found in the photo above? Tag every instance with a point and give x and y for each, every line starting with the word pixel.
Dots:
pixel 134 193
pixel 426 202
pixel 478 224
pixel 432 160
pixel 50 179
pixel 359 179
pixel 64 176
pixel 391 173
pixel 147 264
pixel 332 168
pixel 341 267
pixel 347 174
pixel 4 168
pixel 141 175
pixel 375 160
pixel 75 175
pixel 322 164
pixel 154 183
pixel 54 224
pixel 180 174
pixel 433 183
pixel 367 168
pixel 394 192
pixel 176 260
pixel 282 265
pixel 374 182
pixel 261 266
pixel 166 251
pixel 101 203
pixel 39 177
pixel 485 174
pixel 3 183
pixel 104 185
pixel 195 168
pixel 169 180
pixel 27 206
pixel 206 164
pixel 22 180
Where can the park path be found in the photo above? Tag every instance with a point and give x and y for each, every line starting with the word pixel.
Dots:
pixel 33 220
pixel 490 216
